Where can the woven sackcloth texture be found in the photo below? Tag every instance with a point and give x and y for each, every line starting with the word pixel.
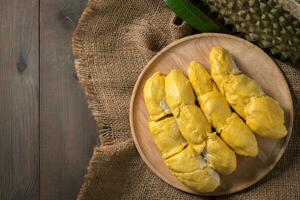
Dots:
pixel 113 41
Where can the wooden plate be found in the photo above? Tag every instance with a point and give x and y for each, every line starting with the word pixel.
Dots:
pixel 252 61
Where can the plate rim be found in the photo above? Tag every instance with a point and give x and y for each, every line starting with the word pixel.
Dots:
pixel 182 40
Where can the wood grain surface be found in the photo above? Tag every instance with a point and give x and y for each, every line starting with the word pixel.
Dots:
pixel 68 132
pixel 19 99
pixel 250 60
pixel 47 131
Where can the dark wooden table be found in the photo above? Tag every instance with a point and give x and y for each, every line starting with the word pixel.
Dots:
pixel 47 131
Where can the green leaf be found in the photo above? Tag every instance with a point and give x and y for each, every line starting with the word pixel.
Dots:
pixel 185 10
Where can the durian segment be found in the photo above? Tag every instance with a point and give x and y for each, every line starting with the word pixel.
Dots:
pixel 200 79
pixel 219 156
pixel 246 97
pixel 216 109
pixel 222 65
pixel 193 126
pixel 180 97
pixel 265 117
pixel 179 91
pixel 186 164
pixel 155 97
pixel 167 137
pixel 200 180
pixel 191 169
pixel 239 89
pixel 213 104
pixel 188 160
pixel 239 137
pixel 218 112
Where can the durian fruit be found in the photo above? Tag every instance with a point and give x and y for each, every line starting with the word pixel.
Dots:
pixel 167 137
pixel 267 110
pixel 263 22
pixel 217 154
pixel 222 161
pixel 245 87
pixel 194 126
pixel 231 128
pixel 291 6
pixel 239 137
pixel 155 97
pixel 178 91
pixel 262 114
pixel 191 169
pixel 186 164
pixel 181 100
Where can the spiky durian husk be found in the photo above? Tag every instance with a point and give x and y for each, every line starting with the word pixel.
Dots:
pixel 263 22
pixel 292 6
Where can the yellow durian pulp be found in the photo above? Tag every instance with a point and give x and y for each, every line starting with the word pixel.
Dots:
pixel 200 180
pixel 239 137
pixel 222 65
pixel 155 97
pixel 181 99
pixel 213 104
pixel 185 162
pixel 193 126
pixel 262 113
pixel 191 169
pixel 182 131
pixel 219 156
pixel 239 89
pixel 217 110
pixel 179 91
pixel 200 79
pixel 188 160
pixel 265 117
pixel 167 137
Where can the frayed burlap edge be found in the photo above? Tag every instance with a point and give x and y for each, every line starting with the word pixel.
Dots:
pixel 84 76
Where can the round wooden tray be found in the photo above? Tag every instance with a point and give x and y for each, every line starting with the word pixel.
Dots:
pixel 252 61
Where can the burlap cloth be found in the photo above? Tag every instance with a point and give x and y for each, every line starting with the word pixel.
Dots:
pixel 113 41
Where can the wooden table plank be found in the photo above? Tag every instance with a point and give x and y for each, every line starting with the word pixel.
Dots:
pixel 19 99
pixel 68 131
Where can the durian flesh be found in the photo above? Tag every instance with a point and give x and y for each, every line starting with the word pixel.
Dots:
pixel 184 162
pixel 239 90
pixel 246 97
pixel 181 100
pixel 266 109
pixel 182 133
pixel 239 137
pixel 167 137
pixel 217 110
pixel 219 156
pixel 155 98
pixel 193 124
pixel 178 91
pixel 191 169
